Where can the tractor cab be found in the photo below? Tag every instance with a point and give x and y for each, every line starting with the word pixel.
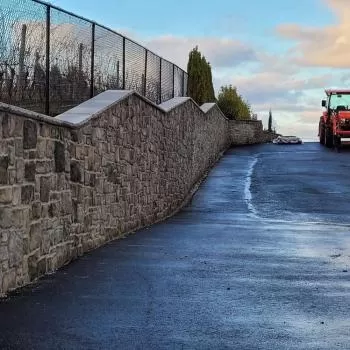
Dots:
pixel 337 100
pixel 335 121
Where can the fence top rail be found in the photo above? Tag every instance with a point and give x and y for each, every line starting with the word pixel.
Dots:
pixel 47 4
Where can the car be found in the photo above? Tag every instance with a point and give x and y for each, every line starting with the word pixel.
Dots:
pixel 287 140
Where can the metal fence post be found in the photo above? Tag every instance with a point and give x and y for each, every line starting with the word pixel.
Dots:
pixel 160 80
pixel 123 62
pixel 22 51
pixel 145 75
pixel 47 81
pixel 173 80
pixel 92 74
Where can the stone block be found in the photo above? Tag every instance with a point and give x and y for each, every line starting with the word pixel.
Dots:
pixel 30 171
pixel 19 148
pixel 50 149
pixel 111 173
pixel 55 196
pixel 4 253
pixel 92 179
pixel 66 200
pixel 9 281
pixel 61 182
pixel 45 244
pixel 57 236
pixel 32 267
pixel 4 266
pixel 74 136
pixel 45 186
pixel 54 181
pixel 26 246
pixel 30 134
pixel 3 237
pixel 41 148
pixel 52 264
pixel 57 133
pixel 32 154
pixel 36 210
pixel 54 209
pixel 44 130
pixel 43 166
pixel 3 146
pixel 75 172
pixel 15 248
pixel 59 155
pixel 4 164
pixel 80 152
pixel 19 170
pixel 5 217
pixel 41 266
pixel 27 194
pixel 20 217
pixel 35 238
pixel 12 176
pixel 44 210
pixel 6 195
pixel 91 159
pixel 8 126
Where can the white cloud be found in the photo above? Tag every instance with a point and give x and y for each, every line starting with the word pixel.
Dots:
pixel 220 52
pixel 327 46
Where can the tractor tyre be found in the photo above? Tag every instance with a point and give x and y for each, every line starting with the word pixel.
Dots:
pixel 337 143
pixel 328 138
pixel 322 134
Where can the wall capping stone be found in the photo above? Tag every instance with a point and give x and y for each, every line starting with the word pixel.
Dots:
pixel 88 110
pixel 21 112
pixel 169 105
pixel 206 107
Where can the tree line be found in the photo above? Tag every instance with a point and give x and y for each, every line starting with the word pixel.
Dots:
pixel 200 88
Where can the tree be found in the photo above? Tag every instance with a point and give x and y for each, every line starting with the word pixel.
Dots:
pixel 232 104
pixel 270 122
pixel 200 84
pixel 210 86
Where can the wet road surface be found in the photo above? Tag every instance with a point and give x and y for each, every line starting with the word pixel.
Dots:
pixel 259 260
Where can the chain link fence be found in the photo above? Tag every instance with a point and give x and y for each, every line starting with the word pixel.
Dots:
pixel 51 60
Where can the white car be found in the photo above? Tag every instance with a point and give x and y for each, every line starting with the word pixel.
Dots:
pixel 284 140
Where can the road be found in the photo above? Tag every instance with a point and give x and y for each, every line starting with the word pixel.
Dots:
pixel 260 259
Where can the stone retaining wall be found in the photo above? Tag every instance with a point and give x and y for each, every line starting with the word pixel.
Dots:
pixel 68 188
pixel 246 132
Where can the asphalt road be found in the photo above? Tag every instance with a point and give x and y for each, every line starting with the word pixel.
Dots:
pixel 259 260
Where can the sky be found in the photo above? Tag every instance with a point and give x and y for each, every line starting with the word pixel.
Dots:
pixel 280 55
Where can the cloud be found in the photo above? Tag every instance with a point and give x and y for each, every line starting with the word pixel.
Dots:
pixel 321 46
pixel 295 102
pixel 276 87
pixel 220 52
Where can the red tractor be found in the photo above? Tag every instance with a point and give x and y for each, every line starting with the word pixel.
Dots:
pixel 335 121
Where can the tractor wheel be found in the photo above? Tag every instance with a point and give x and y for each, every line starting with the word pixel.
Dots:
pixel 337 143
pixel 322 136
pixel 328 138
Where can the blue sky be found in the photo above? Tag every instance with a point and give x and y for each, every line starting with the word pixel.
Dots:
pixel 279 54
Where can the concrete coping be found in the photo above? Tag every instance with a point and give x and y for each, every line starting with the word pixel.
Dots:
pixel 83 113
pixel 167 106
pixel 206 107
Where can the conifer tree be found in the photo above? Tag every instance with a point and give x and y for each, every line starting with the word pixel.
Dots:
pixel 200 83
pixel 270 121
